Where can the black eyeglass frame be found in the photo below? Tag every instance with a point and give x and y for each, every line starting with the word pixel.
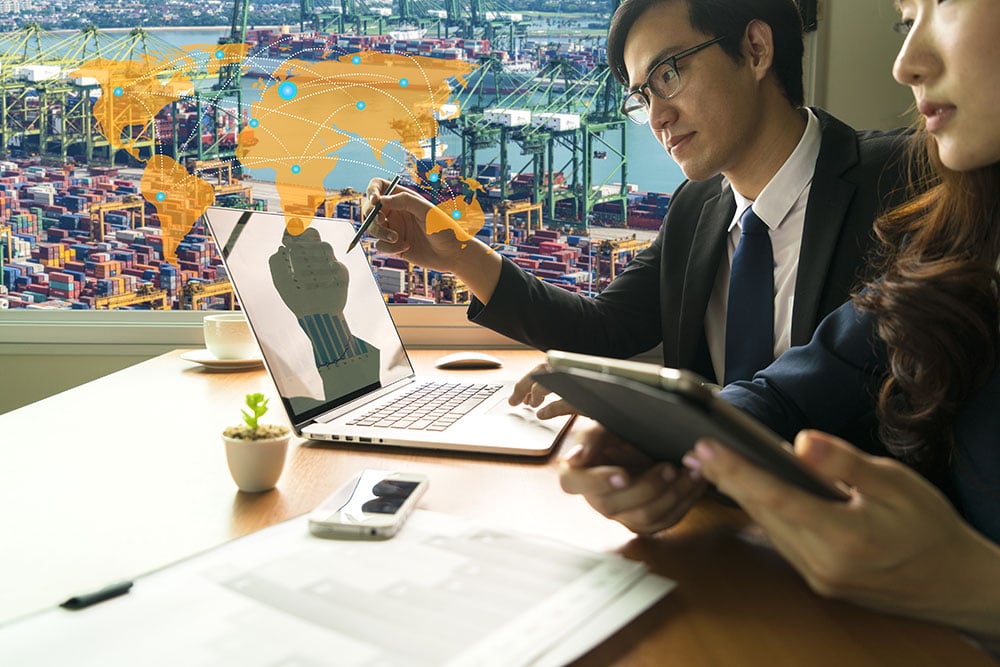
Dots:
pixel 639 91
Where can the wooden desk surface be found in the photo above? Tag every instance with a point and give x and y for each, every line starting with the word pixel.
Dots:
pixel 127 474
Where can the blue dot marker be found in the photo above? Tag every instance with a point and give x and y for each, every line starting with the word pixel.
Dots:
pixel 296 168
pixel 220 54
pixel 456 214
pixel 254 122
pixel 288 90
pixel 119 91
pixel 360 105
pixel 404 82
pixel 356 60
pixel 433 178
pixel 160 196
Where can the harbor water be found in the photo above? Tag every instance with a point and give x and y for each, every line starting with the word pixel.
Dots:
pixel 649 167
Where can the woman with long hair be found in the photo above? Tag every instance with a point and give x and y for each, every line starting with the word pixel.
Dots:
pixel 921 342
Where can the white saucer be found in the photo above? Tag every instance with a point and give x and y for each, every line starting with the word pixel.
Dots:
pixel 205 359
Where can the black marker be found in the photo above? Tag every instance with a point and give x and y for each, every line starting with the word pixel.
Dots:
pixel 370 218
pixel 89 599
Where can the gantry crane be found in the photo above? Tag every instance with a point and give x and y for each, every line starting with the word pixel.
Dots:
pixel 225 184
pixel 231 73
pixel 7 233
pixel 613 248
pixel 129 203
pixel 146 294
pixel 196 291
pixel 593 102
pixel 331 200
pixel 52 115
pixel 508 208
pixel 449 289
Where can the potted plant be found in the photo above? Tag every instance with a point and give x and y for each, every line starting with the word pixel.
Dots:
pixel 256 452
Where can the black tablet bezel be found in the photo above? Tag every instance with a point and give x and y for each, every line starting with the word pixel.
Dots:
pixel 666 421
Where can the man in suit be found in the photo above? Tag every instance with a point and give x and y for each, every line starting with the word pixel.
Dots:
pixel 720 84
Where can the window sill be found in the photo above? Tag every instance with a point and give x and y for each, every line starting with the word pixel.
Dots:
pixel 147 333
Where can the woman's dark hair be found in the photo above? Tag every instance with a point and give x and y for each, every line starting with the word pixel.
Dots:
pixel 725 17
pixel 936 303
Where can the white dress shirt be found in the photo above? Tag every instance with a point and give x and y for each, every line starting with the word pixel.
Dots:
pixel 782 207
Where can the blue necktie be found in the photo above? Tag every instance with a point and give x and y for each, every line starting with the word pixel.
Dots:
pixel 750 313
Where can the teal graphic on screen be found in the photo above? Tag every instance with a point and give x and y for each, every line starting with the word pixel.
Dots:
pixel 313 284
pixel 316 310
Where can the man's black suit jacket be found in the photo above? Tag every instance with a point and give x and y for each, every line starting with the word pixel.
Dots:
pixel 663 294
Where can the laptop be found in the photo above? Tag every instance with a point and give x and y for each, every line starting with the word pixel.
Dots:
pixel 335 355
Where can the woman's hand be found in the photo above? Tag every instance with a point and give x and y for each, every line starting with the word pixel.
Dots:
pixel 624 484
pixel 897 544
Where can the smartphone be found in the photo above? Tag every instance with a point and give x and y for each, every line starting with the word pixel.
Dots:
pixel 372 505
pixel 665 411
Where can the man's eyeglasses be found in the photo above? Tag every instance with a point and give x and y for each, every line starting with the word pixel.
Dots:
pixel 663 80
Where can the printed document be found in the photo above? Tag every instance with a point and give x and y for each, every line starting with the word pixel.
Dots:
pixel 444 591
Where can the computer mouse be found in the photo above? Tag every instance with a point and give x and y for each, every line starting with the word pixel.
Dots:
pixel 468 359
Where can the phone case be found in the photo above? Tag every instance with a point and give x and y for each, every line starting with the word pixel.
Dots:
pixel 666 424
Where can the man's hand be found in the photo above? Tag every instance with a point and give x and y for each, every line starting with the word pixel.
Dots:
pixel 411 227
pixel 529 392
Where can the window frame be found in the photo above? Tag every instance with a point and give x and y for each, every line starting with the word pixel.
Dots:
pixel 76 332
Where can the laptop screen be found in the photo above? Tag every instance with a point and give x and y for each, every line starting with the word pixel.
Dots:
pixel 322 324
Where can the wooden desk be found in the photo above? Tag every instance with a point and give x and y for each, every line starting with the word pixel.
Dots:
pixel 126 474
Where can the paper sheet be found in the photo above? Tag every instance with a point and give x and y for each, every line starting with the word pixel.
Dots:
pixel 444 591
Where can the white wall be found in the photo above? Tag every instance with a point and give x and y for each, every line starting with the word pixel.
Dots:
pixel 851 74
pixel 31 377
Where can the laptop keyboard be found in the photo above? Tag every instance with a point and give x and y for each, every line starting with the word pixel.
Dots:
pixel 432 406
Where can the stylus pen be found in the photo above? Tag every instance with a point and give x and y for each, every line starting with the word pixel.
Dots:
pixel 90 599
pixel 370 218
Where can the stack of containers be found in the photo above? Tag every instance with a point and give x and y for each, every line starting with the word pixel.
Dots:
pixel 26 224
pixel 169 278
pixel 64 285
pixel 50 254
pixel 21 247
pixel 391 280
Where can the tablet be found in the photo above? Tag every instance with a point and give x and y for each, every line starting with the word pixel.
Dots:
pixel 665 411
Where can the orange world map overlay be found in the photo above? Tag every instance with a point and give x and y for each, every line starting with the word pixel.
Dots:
pixel 304 117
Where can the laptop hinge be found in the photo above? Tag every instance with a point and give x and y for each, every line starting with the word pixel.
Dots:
pixel 367 399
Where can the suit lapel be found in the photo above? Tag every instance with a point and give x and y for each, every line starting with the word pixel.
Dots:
pixel 826 211
pixel 707 247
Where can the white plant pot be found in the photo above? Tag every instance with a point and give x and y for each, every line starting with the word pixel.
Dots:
pixel 256 465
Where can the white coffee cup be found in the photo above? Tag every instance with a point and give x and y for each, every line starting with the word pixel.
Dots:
pixel 228 336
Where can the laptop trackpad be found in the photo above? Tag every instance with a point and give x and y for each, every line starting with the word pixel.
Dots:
pixel 525 415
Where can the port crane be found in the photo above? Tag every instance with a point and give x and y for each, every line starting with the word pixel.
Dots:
pixel 196 291
pixel 508 209
pixel 225 183
pixel 578 114
pixel 157 299
pixel 6 232
pixel 230 73
pixel 45 113
pixel 613 249
pixel 449 289
pixel 560 88
pixel 351 195
pixel 98 211
pixel 42 112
